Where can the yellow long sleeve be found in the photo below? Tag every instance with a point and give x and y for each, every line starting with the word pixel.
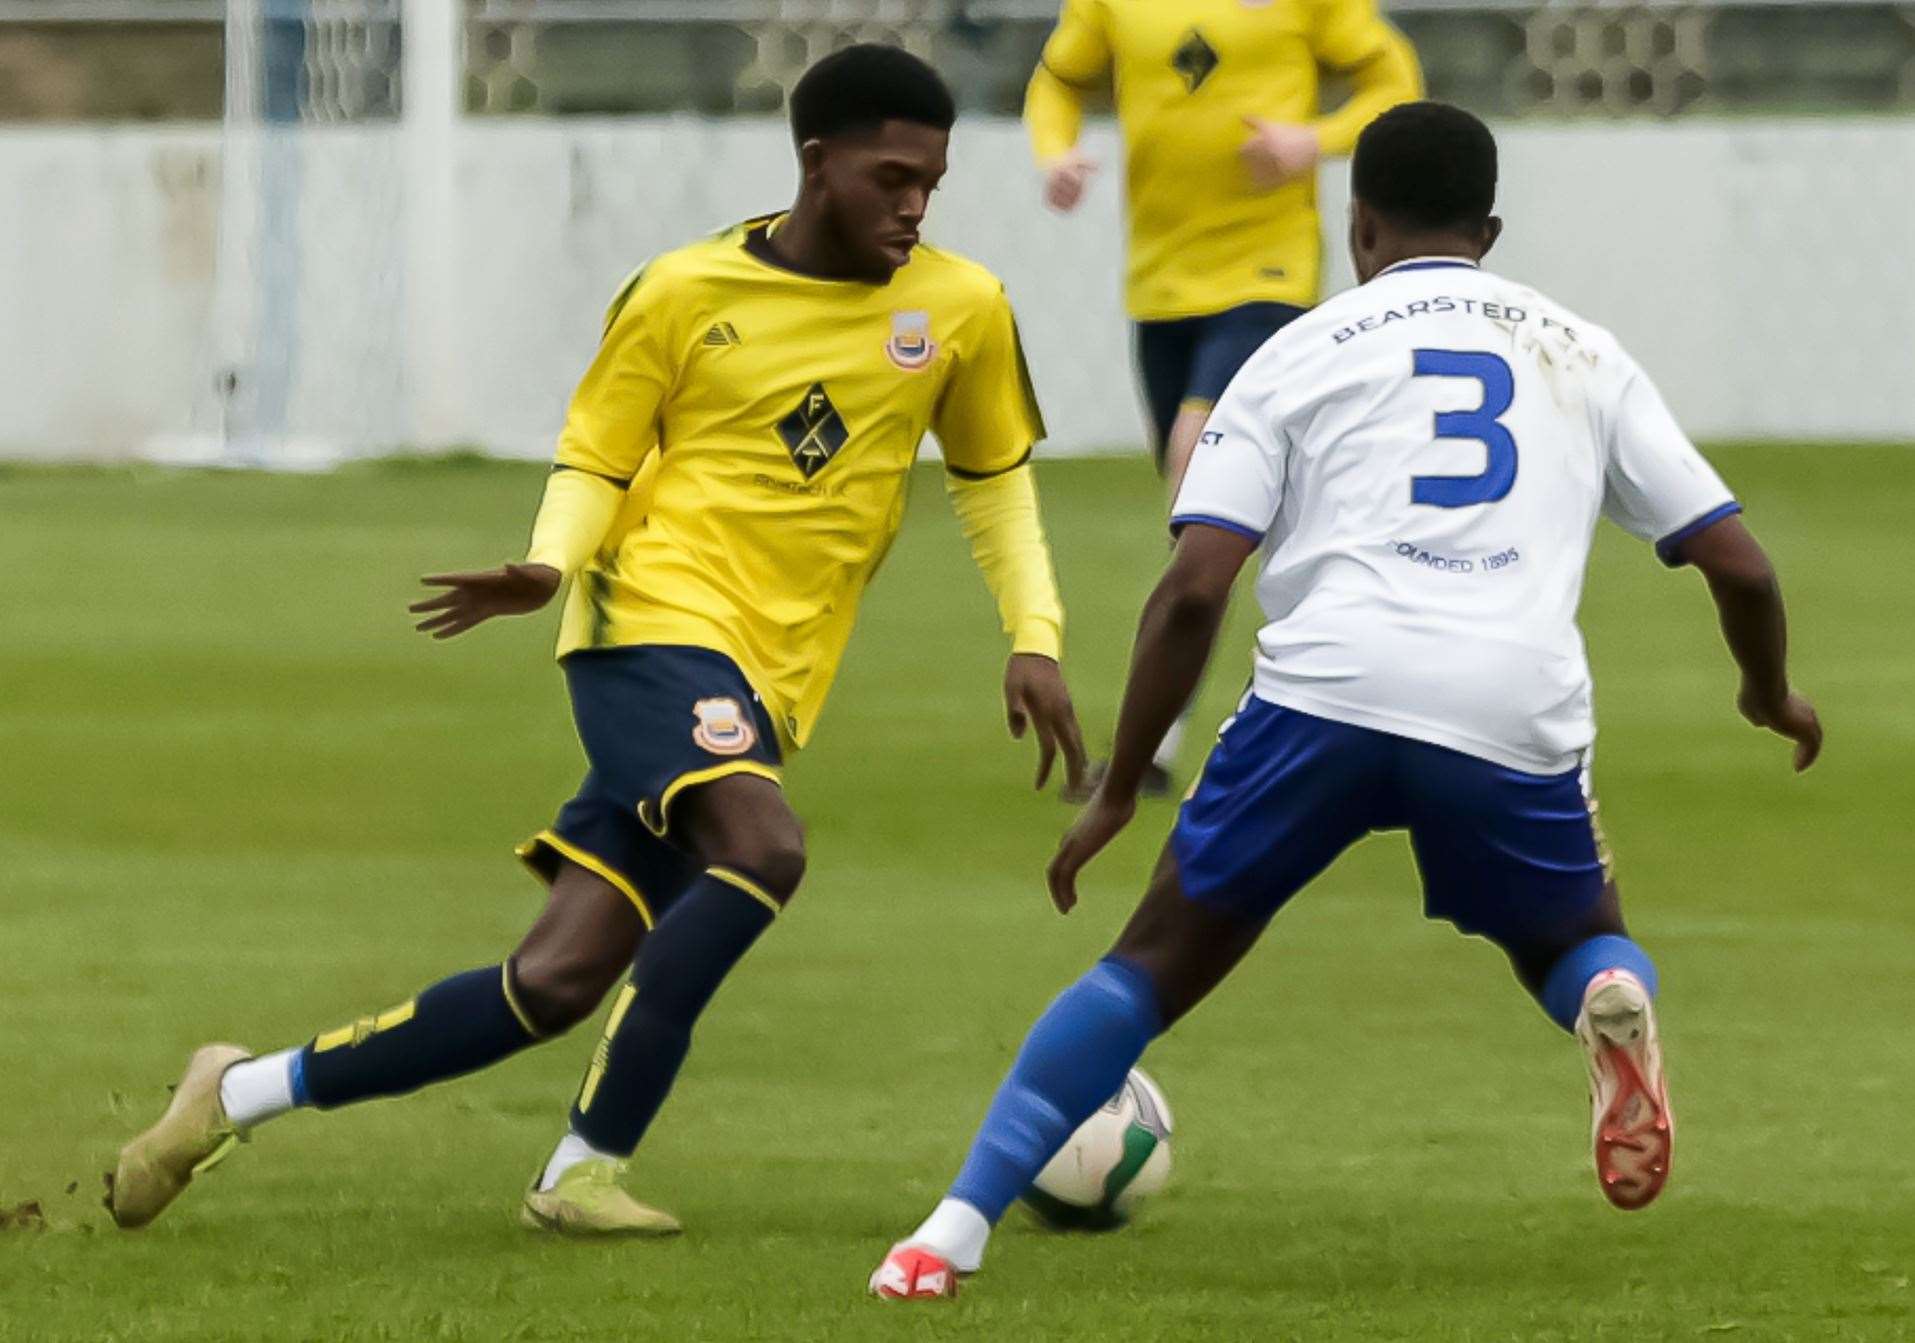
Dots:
pixel 1076 56
pixel 573 518
pixel 1053 115
pixel 1389 76
pixel 999 517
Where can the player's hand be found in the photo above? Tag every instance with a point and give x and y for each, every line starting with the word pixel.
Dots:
pixel 1097 825
pixel 474 598
pixel 1066 180
pixel 1277 153
pixel 1035 697
pixel 1789 715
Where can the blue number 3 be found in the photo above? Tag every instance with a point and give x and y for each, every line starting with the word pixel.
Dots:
pixel 1482 424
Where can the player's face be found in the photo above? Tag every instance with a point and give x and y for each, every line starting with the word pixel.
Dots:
pixel 876 189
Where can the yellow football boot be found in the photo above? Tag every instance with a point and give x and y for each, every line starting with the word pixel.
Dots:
pixel 588 1201
pixel 193 1135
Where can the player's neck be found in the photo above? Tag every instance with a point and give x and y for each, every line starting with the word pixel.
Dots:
pixel 803 242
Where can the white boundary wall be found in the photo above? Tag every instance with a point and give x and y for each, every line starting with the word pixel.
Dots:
pixel 1763 271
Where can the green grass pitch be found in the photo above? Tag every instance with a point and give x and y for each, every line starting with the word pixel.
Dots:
pixel 240 800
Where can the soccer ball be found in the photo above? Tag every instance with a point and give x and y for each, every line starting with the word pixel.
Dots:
pixel 1118 1156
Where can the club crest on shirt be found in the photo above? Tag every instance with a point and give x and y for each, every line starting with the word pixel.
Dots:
pixel 724 728
pixel 911 346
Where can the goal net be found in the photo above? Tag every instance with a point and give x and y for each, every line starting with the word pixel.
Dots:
pixel 305 350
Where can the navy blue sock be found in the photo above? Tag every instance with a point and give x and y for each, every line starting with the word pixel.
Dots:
pixel 679 967
pixel 1568 979
pixel 457 1026
pixel 1074 1059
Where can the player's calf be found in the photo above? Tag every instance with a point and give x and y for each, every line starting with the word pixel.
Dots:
pixel 578 949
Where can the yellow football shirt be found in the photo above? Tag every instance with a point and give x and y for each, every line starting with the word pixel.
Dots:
pixel 767 422
pixel 1203 236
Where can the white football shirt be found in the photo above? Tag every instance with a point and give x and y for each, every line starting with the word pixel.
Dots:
pixel 1424 458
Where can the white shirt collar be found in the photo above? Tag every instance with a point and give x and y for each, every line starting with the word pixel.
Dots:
pixel 1428 263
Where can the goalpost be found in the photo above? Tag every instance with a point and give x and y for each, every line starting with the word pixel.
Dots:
pixel 334 324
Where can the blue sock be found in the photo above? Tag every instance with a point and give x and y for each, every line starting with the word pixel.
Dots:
pixel 1570 976
pixel 1075 1058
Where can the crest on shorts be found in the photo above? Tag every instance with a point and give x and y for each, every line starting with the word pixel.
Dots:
pixel 911 346
pixel 724 728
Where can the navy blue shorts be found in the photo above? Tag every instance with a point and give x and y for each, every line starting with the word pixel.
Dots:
pixel 655 719
pixel 1194 358
pixel 1514 857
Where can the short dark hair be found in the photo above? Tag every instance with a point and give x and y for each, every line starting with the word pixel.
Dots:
pixel 1428 165
pixel 858 88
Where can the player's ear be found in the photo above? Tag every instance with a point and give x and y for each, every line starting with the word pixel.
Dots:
pixel 1362 238
pixel 1492 230
pixel 811 160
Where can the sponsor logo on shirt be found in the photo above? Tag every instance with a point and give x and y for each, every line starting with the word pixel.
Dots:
pixel 813 432
pixel 1195 59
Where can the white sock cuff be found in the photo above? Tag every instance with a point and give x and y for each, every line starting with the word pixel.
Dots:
pixel 957 1232
pixel 253 1091
pixel 571 1150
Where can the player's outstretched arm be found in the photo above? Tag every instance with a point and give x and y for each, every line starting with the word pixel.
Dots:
pixel 1749 602
pixel 1382 69
pixel 573 518
pixel 1174 639
pixel 471 599
pixel 1053 115
pixel 1075 56
pixel 611 429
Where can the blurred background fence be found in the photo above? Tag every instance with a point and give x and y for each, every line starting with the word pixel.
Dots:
pixel 287 230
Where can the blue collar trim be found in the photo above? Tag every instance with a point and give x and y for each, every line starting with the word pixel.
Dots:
pixel 1443 264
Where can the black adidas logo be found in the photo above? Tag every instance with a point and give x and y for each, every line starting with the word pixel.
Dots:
pixel 722 334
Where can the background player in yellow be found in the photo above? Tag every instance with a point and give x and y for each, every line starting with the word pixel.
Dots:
pixel 731 474
pixel 1219 102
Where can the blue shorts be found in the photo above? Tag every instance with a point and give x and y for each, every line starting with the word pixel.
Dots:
pixel 655 719
pixel 1514 857
pixel 1194 358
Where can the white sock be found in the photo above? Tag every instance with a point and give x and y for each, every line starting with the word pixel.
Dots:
pixel 258 1089
pixel 956 1232
pixel 571 1150
pixel 1173 742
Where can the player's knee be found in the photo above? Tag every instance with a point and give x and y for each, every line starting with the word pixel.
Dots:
pixel 746 825
pixel 766 845
pixel 557 988
pixel 1174 997
pixel 1185 948
pixel 773 856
